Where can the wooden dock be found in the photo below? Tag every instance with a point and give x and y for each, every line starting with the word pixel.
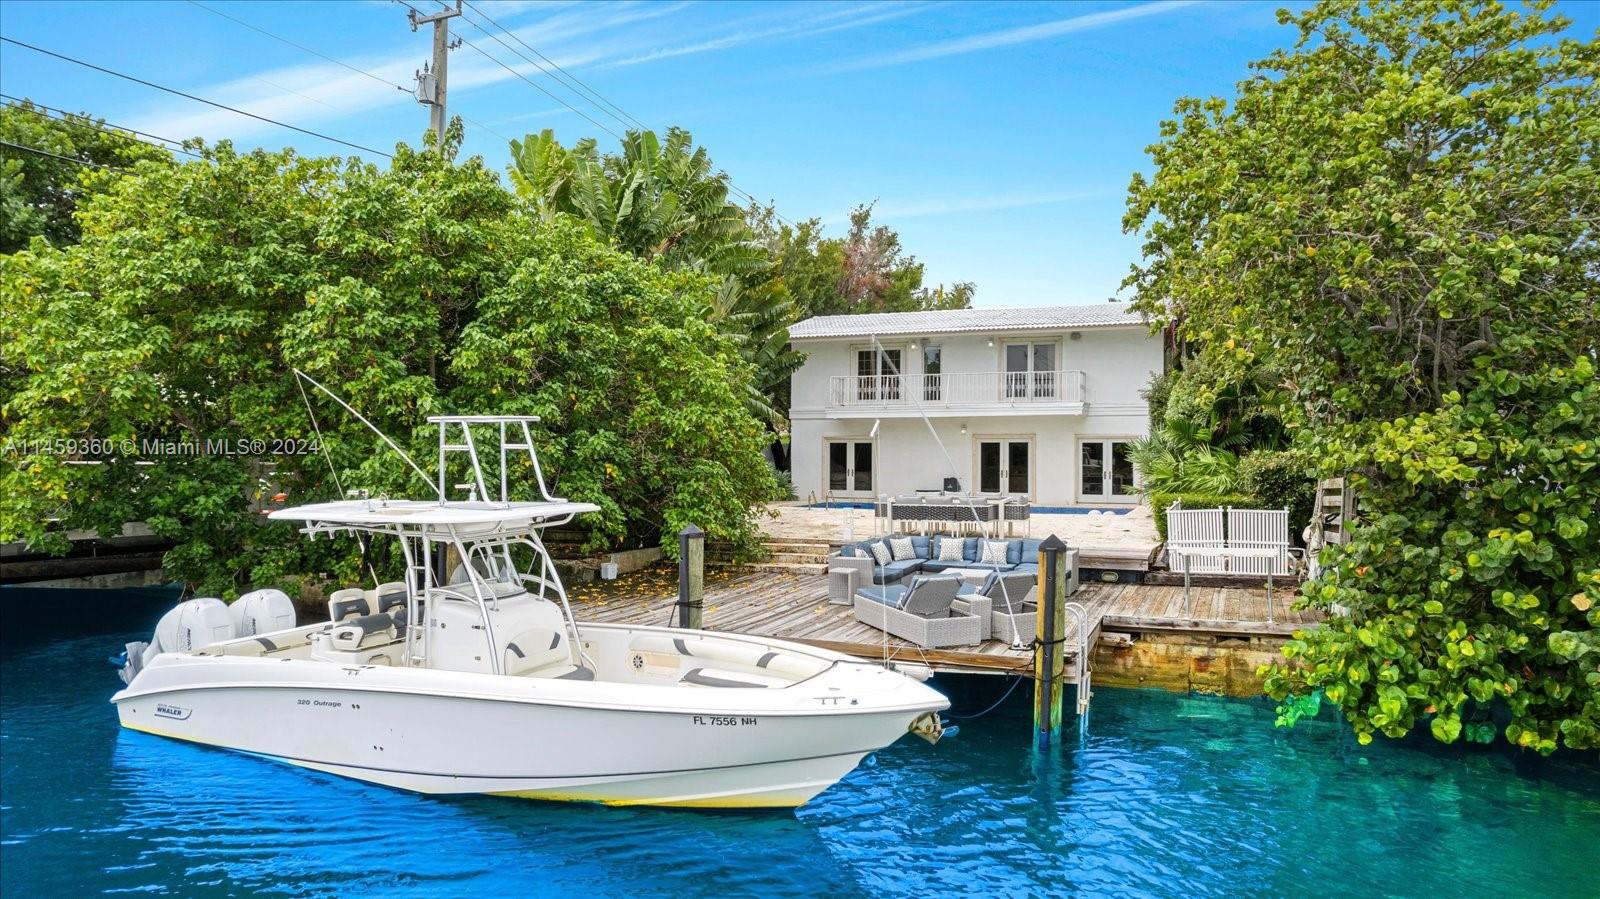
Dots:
pixel 796 607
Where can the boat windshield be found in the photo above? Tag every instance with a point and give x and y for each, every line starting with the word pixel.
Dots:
pixel 494 567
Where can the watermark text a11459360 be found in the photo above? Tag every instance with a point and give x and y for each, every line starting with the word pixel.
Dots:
pixel 158 447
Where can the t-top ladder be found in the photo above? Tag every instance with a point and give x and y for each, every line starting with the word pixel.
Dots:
pixel 468 445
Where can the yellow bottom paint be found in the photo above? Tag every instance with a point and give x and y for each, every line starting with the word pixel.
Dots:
pixel 170 735
pixel 708 802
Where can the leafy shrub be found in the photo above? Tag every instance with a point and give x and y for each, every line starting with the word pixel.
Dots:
pixel 1156 395
pixel 1281 480
pixel 1473 581
pixel 1160 501
pixel 784 486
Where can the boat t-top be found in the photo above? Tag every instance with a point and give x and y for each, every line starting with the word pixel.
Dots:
pixel 471 674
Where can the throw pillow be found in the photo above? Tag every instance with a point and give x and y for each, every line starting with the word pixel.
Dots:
pixel 901 549
pixel 950 550
pixel 994 552
pixel 881 553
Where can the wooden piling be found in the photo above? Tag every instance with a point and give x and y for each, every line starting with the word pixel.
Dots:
pixel 1049 659
pixel 691 577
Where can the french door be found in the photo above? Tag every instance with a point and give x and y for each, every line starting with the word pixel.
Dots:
pixel 1105 472
pixel 850 467
pixel 1005 465
pixel 1030 371
pixel 878 374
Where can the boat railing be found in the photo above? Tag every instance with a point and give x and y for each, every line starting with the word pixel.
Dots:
pixel 514 434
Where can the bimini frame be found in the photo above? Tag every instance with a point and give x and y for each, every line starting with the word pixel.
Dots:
pixel 481 529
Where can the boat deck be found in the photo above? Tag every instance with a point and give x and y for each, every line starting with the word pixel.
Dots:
pixel 796 607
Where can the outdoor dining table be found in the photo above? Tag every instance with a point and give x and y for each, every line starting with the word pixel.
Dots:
pixel 1222 552
pixel 985 512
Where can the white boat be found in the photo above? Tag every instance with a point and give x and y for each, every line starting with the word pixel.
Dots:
pixel 498 689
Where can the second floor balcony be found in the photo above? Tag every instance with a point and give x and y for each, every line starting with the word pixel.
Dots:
pixel 979 390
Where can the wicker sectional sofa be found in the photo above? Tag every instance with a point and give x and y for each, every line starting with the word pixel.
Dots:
pixel 1021 567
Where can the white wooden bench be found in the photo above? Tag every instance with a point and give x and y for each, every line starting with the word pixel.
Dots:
pixel 1240 541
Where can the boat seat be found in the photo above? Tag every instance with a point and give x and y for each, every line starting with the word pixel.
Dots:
pixel 561 671
pixel 534 650
pixel 788 665
pixel 362 632
pixel 387 597
pixel 351 602
pixel 718 677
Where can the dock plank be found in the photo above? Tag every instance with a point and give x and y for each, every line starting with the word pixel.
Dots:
pixel 795 607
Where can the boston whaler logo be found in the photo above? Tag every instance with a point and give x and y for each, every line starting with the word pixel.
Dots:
pixel 172 711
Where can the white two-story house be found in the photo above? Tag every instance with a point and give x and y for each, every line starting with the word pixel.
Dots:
pixel 1039 403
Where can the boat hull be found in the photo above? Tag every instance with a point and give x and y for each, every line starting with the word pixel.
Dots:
pixel 441 732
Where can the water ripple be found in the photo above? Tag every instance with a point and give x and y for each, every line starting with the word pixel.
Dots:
pixel 1167 796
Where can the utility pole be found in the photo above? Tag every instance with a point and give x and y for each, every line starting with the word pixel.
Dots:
pixel 431 83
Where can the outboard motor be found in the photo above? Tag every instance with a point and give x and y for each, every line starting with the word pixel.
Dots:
pixel 187 626
pixel 261 612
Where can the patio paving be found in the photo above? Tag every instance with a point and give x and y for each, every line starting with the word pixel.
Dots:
pixel 1128 535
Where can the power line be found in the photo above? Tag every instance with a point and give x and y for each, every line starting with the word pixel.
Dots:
pixel 302 47
pixel 338 62
pixel 625 117
pixel 621 115
pixel 114 130
pixel 174 91
pixel 109 168
pixel 531 83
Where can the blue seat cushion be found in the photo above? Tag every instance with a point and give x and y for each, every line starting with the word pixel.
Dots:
pixel 894 571
pixel 1013 551
pixel 935 566
pixel 1030 567
pixel 893 595
pixel 1027 551
pixel 923 546
pixel 970 550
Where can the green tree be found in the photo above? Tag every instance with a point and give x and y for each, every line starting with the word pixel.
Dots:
pixel 39 192
pixel 866 270
pixel 412 290
pixel 1418 266
pixel 661 201
pixel 656 199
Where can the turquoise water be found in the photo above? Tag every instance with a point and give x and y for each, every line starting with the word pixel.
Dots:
pixel 1167 796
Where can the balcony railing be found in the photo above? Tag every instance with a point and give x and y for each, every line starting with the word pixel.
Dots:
pixel 974 388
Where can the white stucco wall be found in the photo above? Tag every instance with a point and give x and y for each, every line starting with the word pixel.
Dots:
pixel 1117 362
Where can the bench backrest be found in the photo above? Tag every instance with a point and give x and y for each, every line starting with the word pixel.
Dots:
pixel 1259 529
pixel 1200 528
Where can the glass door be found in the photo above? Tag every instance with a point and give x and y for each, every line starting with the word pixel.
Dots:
pixel 1018 471
pixel 1105 472
pixel 850 467
pixel 1092 471
pixel 1030 371
pixel 1005 465
pixel 878 374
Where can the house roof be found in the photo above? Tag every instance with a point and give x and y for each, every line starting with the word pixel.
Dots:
pixel 948 321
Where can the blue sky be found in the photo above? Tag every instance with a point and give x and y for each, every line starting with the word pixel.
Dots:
pixel 998 138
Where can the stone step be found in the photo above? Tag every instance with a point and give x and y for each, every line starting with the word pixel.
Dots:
pixel 780 567
pixel 799 557
pixel 789 546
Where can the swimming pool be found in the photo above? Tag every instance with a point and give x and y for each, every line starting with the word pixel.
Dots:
pixel 1168 796
pixel 1037 510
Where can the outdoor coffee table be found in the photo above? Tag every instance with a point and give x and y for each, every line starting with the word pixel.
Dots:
pixel 971 576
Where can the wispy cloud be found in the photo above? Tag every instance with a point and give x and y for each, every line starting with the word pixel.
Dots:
pixel 335 92
pixel 837 20
pixel 896 211
pixel 1009 37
